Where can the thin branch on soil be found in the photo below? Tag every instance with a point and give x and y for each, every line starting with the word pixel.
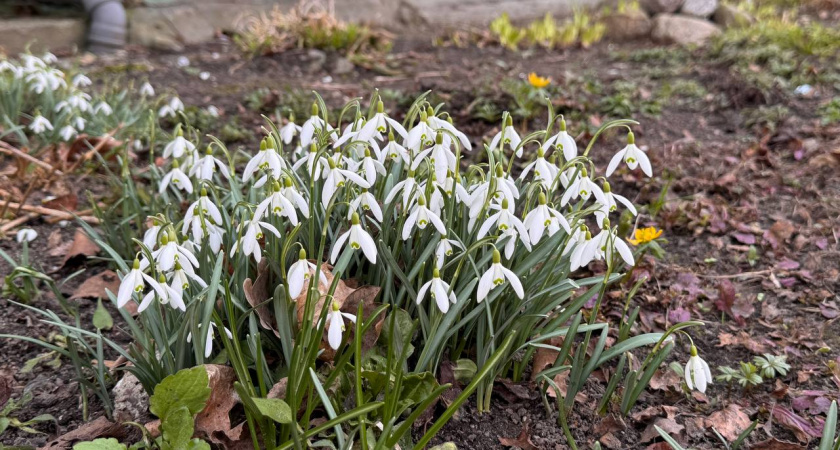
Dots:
pixel 9 150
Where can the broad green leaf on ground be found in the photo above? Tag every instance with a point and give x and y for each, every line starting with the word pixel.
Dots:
pixel 177 427
pixel 188 388
pixel 274 408
pixel 100 444
pixel 102 320
pixel 417 388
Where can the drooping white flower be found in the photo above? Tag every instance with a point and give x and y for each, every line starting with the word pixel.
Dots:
pixel 544 172
pixel 103 108
pixel 133 282
pixel 181 276
pixel 510 246
pixel 608 203
pixel 170 252
pixel 80 80
pixel 505 189
pixel 278 205
pixel 379 124
pixel 300 273
pixel 67 132
pixel 606 243
pixel 697 373
pixel 165 295
pixel 357 238
pixel 206 166
pixel 633 156
pixel 421 135
pixel 582 187
pixel 542 218
pixel 335 325
pixel 291 193
pixel 394 151
pixel 26 235
pixel 312 161
pixel 208 343
pixel 266 159
pixel 315 122
pixel 583 250
pixel 422 216
pixel 171 109
pixel 201 226
pixel 40 124
pixel 495 276
pixel 335 178
pixel 178 146
pixel 79 122
pixel 369 167
pixel 504 220
pixel 288 131
pixel 437 124
pixel 445 249
pixel 507 136
pixel 204 206
pixel 150 237
pixel 439 291
pixel 177 178
pixel 367 202
pixel 350 131
pixel 146 90
pixel 250 241
pixel 409 190
pixel 563 141
pixel 442 160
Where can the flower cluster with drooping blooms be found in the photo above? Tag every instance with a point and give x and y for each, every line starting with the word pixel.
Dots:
pixel 55 106
pixel 373 194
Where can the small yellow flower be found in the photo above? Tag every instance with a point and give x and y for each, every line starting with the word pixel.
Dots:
pixel 538 81
pixel 645 235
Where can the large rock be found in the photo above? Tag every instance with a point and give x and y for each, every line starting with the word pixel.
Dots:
pixel 41 34
pixel 684 30
pixel 131 402
pixel 629 25
pixel 729 16
pixel 699 8
pixel 149 27
pixel 660 6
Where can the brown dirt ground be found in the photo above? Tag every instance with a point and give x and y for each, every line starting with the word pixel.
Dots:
pixel 730 185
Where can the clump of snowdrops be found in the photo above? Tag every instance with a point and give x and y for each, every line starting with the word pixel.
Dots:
pixel 257 267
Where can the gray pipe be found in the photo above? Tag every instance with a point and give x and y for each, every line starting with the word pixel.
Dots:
pixel 107 25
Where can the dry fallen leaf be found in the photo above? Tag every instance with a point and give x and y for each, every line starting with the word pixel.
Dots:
pixel 256 292
pixel 215 417
pixel 81 246
pixel 801 427
pixel 545 357
pixel 775 444
pixel 523 441
pixel 729 422
pixel 99 428
pixel 66 202
pixel 95 286
pixel 668 425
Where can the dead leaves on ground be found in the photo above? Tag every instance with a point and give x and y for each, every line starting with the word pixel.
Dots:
pixel 81 247
pixel 97 285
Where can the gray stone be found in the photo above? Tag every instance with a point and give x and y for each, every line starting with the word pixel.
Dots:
pixel 629 25
pixel 342 66
pixel 457 13
pixel 699 8
pixel 131 402
pixel 316 60
pixel 190 25
pixel 41 34
pixel 150 28
pixel 684 30
pixel 660 6
pixel 729 16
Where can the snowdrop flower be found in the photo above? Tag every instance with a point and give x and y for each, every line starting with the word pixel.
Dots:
pixel 439 291
pixel 633 156
pixel 542 218
pixel 169 253
pixel 177 178
pixel 79 123
pixel 379 124
pixel 350 131
pixel 311 161
pixel 505 190
pixel 444 249
pixel 49 58
pixel 608 203
pixel 367 202
pixel 195 222
pixel 442 160
pixel 291 193
pixel 165 294
pixel 277 204
pixel 407 187
pixel 335 178
pixel 422 216
pixel 509 136
pixel 81 80
pixel 544 172
pixel 266 159
pixel 578 236
pixel 563 141
pixel 495 276
pixel 133 282
pixel 67 132
pixel 370 167
pixel 181 276
pixel 178 146
pixel 606 242
pixel 150 237
pixel 250 242
pixel 569 176
pixel 358 238
pixel 421 135
pixel 393 150
pixel 146 90
pixel 26 235
pixel 205 166
pixel 437 124
pixel 504 220
pixel 510 245
pixel 584 251
pixel 335 324
pixel 288 131
pixel 582 187
pixel 208 343
pixel 171 109
pixel 204 206
pixel 301 272
pixel 40 124
pixel 697 373
pixel 103 108
pixel 315 122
